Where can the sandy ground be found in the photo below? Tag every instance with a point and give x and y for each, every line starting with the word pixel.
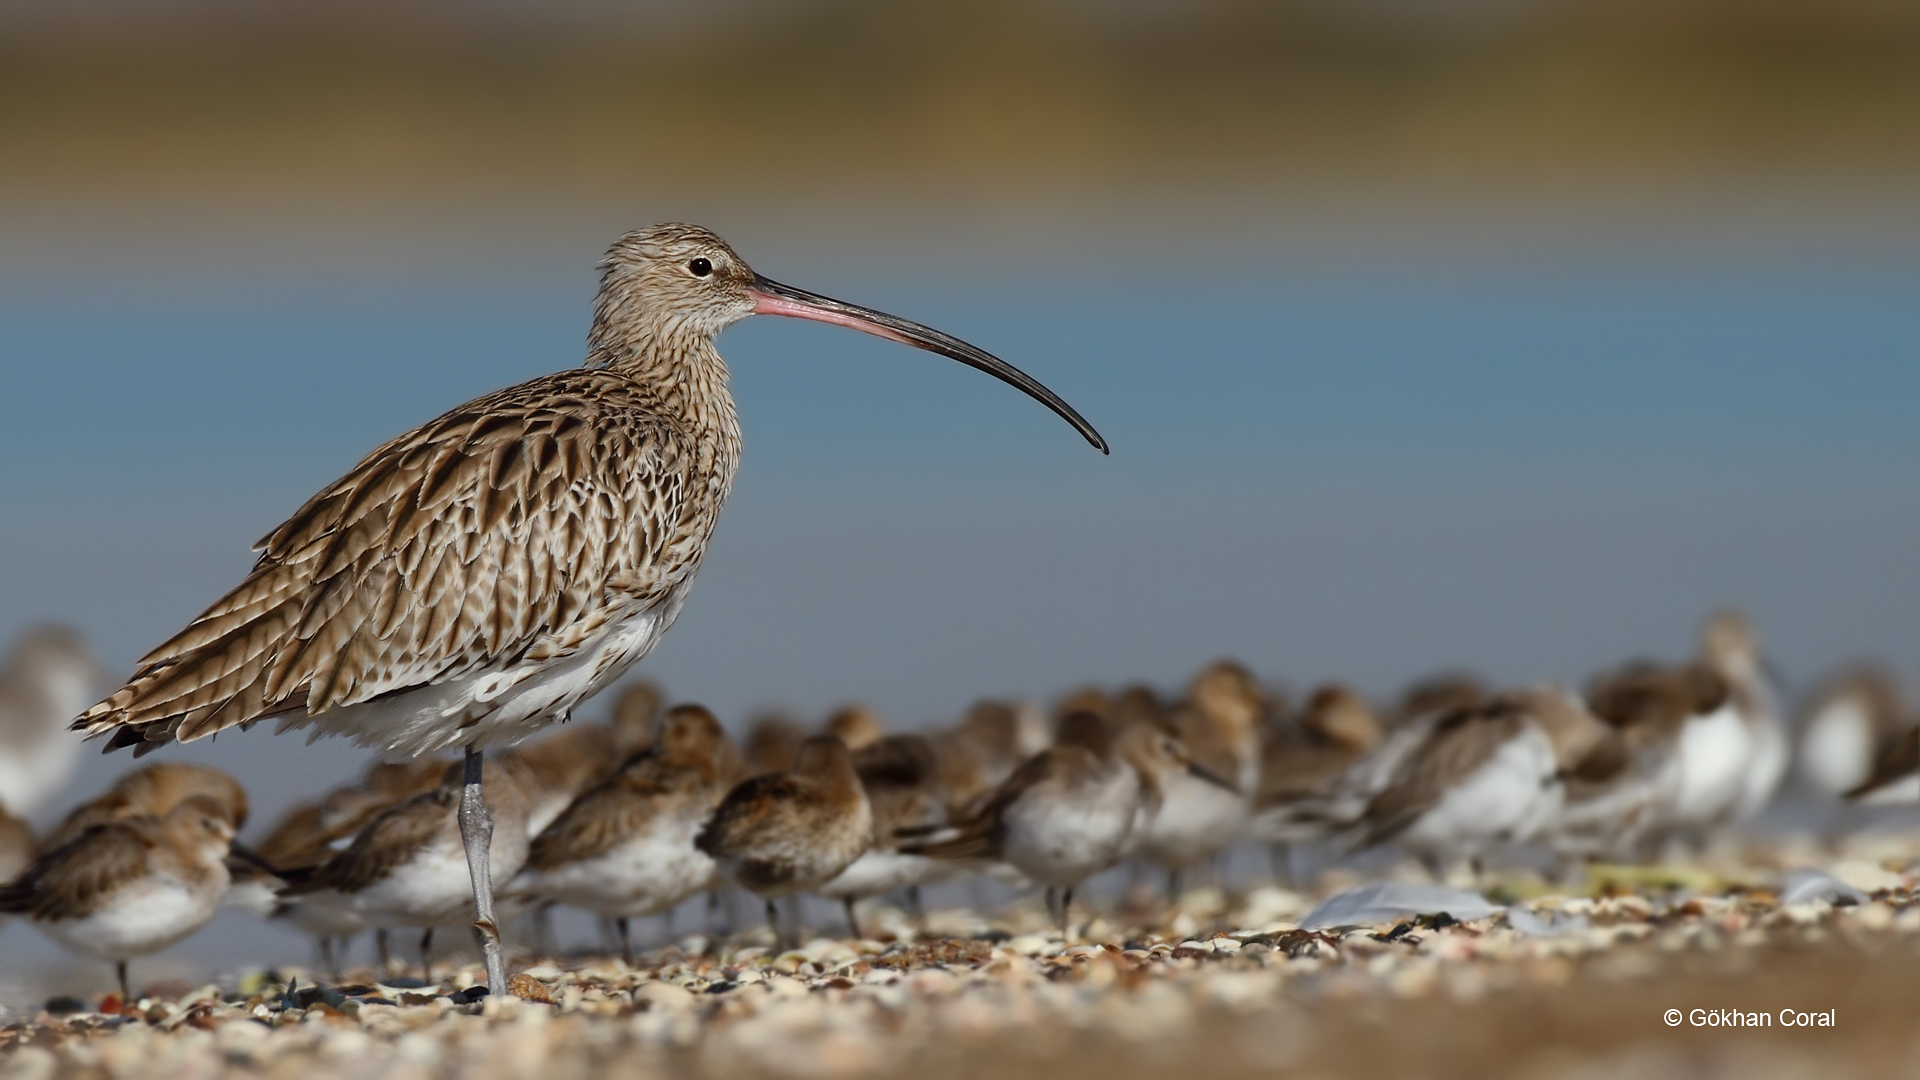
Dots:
pixel 1569 983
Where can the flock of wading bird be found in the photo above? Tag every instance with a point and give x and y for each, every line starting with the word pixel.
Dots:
pixel 469 582
pixel 634 815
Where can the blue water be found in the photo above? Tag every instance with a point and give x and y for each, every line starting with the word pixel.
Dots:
pixel 1533 468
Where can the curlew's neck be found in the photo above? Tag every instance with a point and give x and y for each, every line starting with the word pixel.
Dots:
pixel 676 363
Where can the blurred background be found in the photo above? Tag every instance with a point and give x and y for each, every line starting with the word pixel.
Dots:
pixel 1513 335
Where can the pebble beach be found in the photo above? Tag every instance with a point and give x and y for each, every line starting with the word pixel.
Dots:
pixel 1542 982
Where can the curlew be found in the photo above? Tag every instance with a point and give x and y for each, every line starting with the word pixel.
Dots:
pixel 479 576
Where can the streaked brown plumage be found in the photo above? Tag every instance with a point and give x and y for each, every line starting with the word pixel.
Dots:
pixel 625 847
pixel 17 846
pixel 155 789
pixel 129 886
pixel 780 834
pixel 694 761
pixel 476 578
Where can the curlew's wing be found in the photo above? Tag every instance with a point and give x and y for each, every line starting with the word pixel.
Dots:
pixel 511 529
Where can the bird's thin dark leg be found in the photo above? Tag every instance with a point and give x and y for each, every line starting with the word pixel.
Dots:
pixel 1066 908
pixel 476 832
pixel 773 923
pixel 1176 883
pixel 120 968
pixel 626 939
pixel 426 956
pixel 1053 905
pixel 853 920
pixel 385 954
pixel 326 957
pixel 916 907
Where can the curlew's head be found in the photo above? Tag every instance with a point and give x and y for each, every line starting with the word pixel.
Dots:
pixel 673 284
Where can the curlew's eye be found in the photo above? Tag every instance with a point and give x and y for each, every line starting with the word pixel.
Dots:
pixel 700 267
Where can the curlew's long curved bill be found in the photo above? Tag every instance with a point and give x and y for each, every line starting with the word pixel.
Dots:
pixel 772 298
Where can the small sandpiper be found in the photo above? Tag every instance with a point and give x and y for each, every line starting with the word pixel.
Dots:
pixel 49 676
pixel 407 866
pixel 901 777
pixel 129 887
pixel 1302 763
pixel 782 834
pixel 1220 725
pixel 1073 809
pixel 154 790
pixel 1851 717
pixel 1482 778
pixel 625 848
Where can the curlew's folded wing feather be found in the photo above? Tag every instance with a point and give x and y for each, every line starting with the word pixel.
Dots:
pixel 510 529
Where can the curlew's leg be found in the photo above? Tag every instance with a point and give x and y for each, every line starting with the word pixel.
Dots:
pixel 1066 907
pixel 773 923
pixel 120 969
pixel 853 921
pixel 386 955
pixel 916 907
pixel 1053 905
pixel 476 831
pixel 626 940
pixel 1176 885
pixel 326 957
pixel 426 956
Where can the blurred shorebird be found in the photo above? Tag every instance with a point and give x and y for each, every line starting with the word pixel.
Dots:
pixel 1895 777
pixel 901 777
pixel 1481 778
pixel 479 576
pixel 1074 809
pixel 625 848
pixel 405 867
pixel 782 834
pixel 49 676
pixel 154 790
pixel 1851 717
pixel 1302 763
pixel 17 846
pixel 130 886
pixel 1219 724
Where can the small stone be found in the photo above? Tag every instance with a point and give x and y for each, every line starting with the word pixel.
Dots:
pixel 528 987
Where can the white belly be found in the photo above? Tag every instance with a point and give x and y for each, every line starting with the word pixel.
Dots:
pixel 1508 799
pixel 1195 821
pixel 500 706
pixel 1836 752
pixel 878 871
pixel 140 919
pixel 1715 753
pixel 1064 841
pixel 647 874
pixel 434 888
